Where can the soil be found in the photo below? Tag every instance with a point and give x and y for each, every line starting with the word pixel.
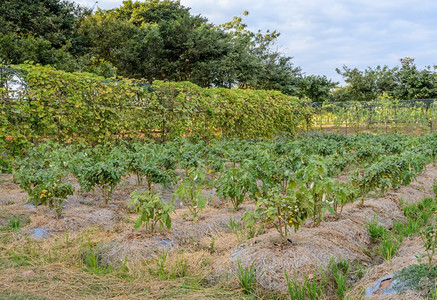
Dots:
pixel 311 247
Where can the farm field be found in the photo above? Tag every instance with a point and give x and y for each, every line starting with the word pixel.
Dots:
pixel 148 151
pixel 322 216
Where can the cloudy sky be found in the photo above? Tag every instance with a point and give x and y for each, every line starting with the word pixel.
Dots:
pixel 322 35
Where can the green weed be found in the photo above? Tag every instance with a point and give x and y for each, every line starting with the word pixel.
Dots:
pixel 15 223
pixel 247 277
pixel 92 259
pixel 375 230
pixel 311 288
pixel 334 282
pixel 165 269
pixel 339 271
pixel 389 246
pixel 212 248
pixel 419 278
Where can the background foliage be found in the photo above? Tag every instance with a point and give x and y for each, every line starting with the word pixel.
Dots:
pixel 86 108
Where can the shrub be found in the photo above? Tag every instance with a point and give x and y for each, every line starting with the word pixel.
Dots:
pixel 154 212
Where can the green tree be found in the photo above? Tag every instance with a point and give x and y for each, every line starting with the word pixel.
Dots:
pixel 414 83
pixel 368 84
pixel 258 65
pixel 103 36
pixel 52 20
pixel 42 31
pixel 316 88
pixel 16 49
pixel 404 82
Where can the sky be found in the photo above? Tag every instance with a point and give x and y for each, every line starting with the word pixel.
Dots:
pixel 322 35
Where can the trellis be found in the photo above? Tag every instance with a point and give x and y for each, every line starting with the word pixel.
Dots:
pixel 416 116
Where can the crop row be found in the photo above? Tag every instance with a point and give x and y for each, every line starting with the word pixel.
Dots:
pixel 290 181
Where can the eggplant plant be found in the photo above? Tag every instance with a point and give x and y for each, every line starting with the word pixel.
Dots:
pixel 154 211
pixel 236 184
pixel 189 192
pixel 42 174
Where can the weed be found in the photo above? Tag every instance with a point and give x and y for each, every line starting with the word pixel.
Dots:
pixel 160 264
pixel 15 223
pixel 212 245
pixel 19 259
pixel 421 212
pixel 236 228
pixel 177 269
pixel 417 277
pixel 335 280
pixel 247 277
pixel 406 229
pixel 254 231
pixel 389 246
pixel 434 188
pixel 339 271
pixel 375 231
pixel 312 288
pixel 295 289
pixel 92 259
pixel 123 269
pixel 13 296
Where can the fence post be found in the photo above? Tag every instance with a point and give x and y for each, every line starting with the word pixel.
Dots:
pixel 347 117
pixel 432 115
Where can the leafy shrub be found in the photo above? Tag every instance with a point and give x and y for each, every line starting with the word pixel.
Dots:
pixel 315 176
pixel 42 173
pixel 342 194
pixel 51 194
pixel 284 211
pixel 189 192
pixel 100 167
pixel 154 212
pixel 235 183
pixel 429 238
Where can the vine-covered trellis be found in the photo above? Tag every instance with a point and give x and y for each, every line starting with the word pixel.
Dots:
pixel 39 102
pixel 415 116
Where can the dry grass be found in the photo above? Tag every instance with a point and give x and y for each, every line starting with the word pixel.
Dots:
pixel 202 256
pixel 55 269
pixel 404 258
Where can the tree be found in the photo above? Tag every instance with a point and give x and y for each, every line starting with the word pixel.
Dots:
pixel 414 83
pixel 103 35
pixel 42 31
pixel 369 84
pixel 151 39
pixel 16 49
pixel 52 20
pixel 258 65
pixel 404 82
pixel 316 88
